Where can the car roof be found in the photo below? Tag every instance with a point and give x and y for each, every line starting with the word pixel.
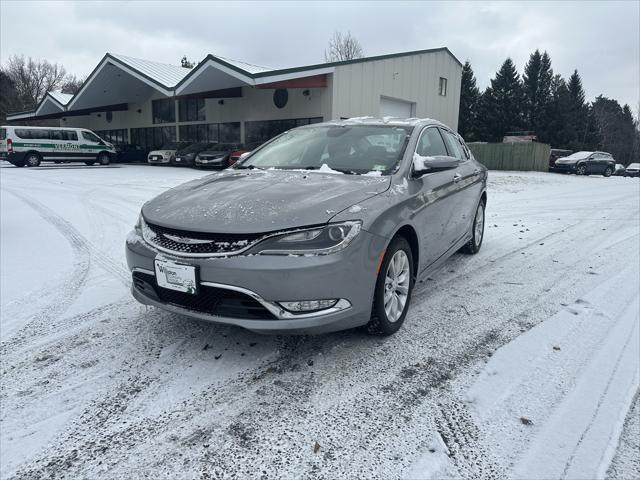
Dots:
pixel 393 121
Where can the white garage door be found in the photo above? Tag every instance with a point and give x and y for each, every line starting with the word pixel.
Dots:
pixel 392 107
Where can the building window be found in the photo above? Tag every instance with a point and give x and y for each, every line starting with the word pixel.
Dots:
pixel 117 137
pixel 442 87
pixel 153 137
pixel 211 132
pixel 191 110
pixel 164 111
pixel 264 130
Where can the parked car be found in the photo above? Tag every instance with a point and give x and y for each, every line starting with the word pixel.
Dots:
pixel 587 163
pixel 325 227
pixel 30 146
pixel 619 170
pixel 555 154
pixel 187 155
pixel 217 157
pixel 167 153
pixel 235 155
pixel 128 152
pixel 633 170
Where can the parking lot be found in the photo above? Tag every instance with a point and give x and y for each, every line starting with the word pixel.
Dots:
pixel 95 383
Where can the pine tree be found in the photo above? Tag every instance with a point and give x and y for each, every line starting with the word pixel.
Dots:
pixel 469 104
pixel 578 119
pixel 502 103
pixel 557 134
pixel 536 80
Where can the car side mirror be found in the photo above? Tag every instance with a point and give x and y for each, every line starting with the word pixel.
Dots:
pixel 422 165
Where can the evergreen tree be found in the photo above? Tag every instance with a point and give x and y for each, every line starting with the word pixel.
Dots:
pixel 469 104
pixel 502 103
pixel 536 81
pixel 578 122
pixel 557 134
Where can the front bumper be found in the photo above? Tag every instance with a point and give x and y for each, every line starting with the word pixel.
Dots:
pixel 158 159
pixel 349 275
pixel 216 162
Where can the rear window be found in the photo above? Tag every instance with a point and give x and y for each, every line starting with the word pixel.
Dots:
pixel 32 134
pixel 3 133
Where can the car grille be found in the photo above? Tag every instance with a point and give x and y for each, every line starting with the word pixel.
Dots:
pixel 216 243
pixel 211 300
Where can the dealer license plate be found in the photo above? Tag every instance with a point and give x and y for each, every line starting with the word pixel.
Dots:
pixel 175 276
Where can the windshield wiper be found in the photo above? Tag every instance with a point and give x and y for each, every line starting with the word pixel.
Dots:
pixel 248 167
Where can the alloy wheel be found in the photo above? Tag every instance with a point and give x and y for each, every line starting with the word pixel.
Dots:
pixel 396 286
pixel 479 225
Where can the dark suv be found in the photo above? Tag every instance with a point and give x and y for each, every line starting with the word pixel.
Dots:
pixel 587 163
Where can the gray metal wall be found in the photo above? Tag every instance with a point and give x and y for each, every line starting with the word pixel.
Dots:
pixel 357 87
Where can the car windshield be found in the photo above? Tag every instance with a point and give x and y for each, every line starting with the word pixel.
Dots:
pixel 353 149
pixel 195 147
pixel 634 166
pixel 577 156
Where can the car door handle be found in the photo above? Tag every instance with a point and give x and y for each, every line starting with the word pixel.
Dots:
pixel 457 177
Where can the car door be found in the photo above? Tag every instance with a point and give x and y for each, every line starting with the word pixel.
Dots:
pixel 468 191
pixel 433 201
pixel 594 163
pixel 91 144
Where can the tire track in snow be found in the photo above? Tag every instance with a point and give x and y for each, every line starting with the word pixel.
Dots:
pixel 58 298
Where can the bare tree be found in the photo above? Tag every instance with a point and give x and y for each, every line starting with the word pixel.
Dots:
pixel 72 84
pixel 343 47
pixel 32 79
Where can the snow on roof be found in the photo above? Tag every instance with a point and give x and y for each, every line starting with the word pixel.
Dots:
pixel 62 98
pixel 164 73
pixel 247 67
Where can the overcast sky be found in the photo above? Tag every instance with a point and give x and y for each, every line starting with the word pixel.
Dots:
pixel 600 39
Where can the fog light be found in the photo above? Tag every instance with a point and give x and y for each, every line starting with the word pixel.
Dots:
pixel 308 305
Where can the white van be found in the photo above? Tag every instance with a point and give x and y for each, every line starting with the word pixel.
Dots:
pixel 29 146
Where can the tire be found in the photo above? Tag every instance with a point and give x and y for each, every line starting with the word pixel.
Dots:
pixel 104 159
pixel 32 159
pixel 607 172
pixel 477 231
pixel 89 162
pixel 398 258
pixel 581 170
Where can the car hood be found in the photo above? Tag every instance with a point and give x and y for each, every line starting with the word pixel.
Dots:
pixel 214 153
pixel 164 153
pixel 257 201
pixel 569 161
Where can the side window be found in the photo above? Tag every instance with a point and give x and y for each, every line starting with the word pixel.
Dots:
pixel 22 133
pixel 90 137
pixel 56 135
pixel 431 143
pixel 70 135
pixel 39 134
pixel 465 149
pixel 453 146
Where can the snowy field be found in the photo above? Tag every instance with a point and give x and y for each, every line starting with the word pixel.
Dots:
pixel 519 362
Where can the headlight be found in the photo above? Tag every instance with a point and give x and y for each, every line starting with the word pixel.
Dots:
pixel 138 225
pixel 312 241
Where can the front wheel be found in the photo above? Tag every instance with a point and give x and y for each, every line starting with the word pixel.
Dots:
pixel 103 159
pixel 32 160
pixel 477 231
pixel 608 171
pixel 581 170
pixel 393 289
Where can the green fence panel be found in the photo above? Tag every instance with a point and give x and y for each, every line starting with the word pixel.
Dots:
pixel 525 156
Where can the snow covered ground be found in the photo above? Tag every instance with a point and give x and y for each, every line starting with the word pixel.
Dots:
pixel 519 362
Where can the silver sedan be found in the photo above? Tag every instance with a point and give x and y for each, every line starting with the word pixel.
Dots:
pixel 325 227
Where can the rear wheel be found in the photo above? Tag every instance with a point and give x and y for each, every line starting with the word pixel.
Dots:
pixel 608 171
pixel 581 170
pixel 103 159
pixel 393 289
pixel 477 232
pixel 32 159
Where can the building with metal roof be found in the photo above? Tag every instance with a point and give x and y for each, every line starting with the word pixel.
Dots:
pixel 131 100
